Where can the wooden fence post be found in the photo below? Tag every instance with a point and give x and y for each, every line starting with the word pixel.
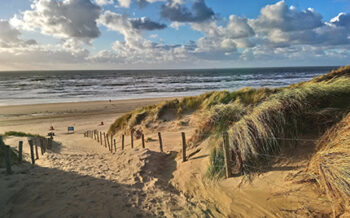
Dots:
pixel 111 143
pixel 115 145
pixel 104 137
pixel 123 142
pixel 107 138
pixel 31 150
pixel 132 139
pixel 36 152
pixel 160 142
pixel 227 155
pixel 101 138
pixel 143 140
pixel 20 151
pixel 8 159
pixel 183 147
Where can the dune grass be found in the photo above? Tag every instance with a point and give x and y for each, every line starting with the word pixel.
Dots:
pixel 21 134
pixel 179 107
pixel 287 114
pixel 330 166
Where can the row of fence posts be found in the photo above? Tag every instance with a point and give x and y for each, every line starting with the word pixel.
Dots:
pixel 34 143
pixel 108 141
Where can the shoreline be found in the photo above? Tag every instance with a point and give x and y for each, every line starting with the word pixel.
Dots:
pixel 85 110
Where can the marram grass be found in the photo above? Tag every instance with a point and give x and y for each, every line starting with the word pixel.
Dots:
pixel 286 115
pixel 330 166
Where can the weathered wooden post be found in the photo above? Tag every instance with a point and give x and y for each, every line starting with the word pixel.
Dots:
pixel 31 150
pixel 104 137
pixel 143 140
pixel 160 142
pixel 8 159
pixel 107 138
pixel 101 138
pixel 123 142
pixel 115 145
pixel 97 136
pixel 111 143
pixel 36 152
pixel 227 155
pixel 132 139
pixel 20 151
pixel 183 147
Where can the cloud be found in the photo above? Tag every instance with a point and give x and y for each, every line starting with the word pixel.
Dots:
pixel 10 37
pixel 131 28
pixel 175 11
pixel 104 2
pixel 124 3
pixel 68 19
pixel 342 20
pixel 145 23
pixel 281 26
pixel 144 3
pixel 279 16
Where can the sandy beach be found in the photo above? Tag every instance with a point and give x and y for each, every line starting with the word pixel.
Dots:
pixel 80 177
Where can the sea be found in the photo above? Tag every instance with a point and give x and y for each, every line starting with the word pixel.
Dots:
pixel 35 87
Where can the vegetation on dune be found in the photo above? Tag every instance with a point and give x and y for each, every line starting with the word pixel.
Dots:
pixel 20 134
pixel 294 111
pixel 330 166
pixel 179 107
pixel 261 122
pixel 288 114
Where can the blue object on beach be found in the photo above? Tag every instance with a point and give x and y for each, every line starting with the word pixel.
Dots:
pixel 70 128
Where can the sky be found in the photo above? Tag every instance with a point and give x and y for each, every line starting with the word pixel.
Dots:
pixel 170 34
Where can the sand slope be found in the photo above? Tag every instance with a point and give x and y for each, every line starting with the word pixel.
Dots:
pixel 129 183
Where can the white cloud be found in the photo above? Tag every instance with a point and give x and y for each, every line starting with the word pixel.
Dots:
pixel 124 3
pixel 68 19
pixel 279 34
pixel 279 16
pixel 104 2
pixel 176 25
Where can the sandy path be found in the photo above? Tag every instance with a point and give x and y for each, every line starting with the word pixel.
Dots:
pixel 80 178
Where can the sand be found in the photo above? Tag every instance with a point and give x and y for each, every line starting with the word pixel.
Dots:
pixel 81 178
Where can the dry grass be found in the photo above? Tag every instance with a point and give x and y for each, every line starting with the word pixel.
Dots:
pixel 178 107
pixel 330 166
pixel 286 115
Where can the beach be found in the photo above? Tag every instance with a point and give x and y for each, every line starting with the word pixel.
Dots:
pixel 80 177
